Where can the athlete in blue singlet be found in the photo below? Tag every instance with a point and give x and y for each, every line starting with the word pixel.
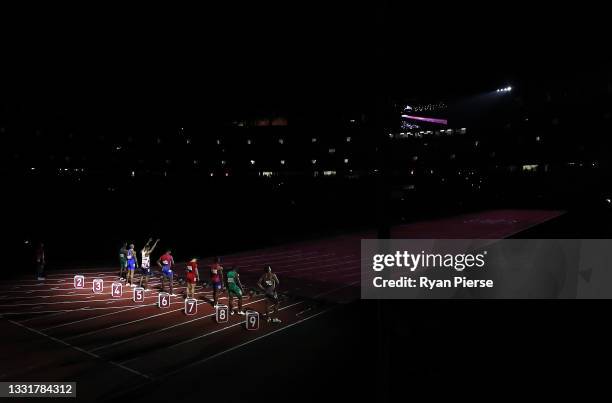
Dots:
pixel 132 262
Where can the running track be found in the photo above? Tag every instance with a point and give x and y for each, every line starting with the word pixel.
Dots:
pixel 55 332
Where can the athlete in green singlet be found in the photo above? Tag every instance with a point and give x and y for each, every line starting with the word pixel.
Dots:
pixel 234 289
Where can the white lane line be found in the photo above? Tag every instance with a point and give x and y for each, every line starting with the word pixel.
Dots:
pixel 209 333
pixel 80 349
pixel 276 262
pixel 282 267
pixel 337 289
pixel 127 323
pixel 237 261
pixel 225 328
pixel 76 302
pixel 61 312
pixel 316 268
pixel 95 317
pixel 323 275
pixel 192 364
pixel 88 287
pixel 164 329
pixel 234 258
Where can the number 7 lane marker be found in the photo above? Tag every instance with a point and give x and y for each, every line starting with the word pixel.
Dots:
pixel 166 328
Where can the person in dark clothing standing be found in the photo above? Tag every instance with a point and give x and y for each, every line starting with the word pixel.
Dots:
pixel 39 261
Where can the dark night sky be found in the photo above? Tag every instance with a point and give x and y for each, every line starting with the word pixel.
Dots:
pixel 117 65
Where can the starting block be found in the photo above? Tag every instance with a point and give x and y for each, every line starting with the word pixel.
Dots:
pixel 163 300
pixel 98 285
pixel 252 320
pixel 139 294
pixel 191 306
pixel 222 313
pixel 79 281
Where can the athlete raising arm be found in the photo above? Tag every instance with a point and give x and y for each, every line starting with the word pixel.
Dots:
pixel 146 263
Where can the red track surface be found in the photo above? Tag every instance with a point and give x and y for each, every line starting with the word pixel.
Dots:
pixel 69 334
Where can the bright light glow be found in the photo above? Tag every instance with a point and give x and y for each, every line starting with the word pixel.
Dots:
pixel 346 160
pixel 426 119
pixel 282 162
pixel 530 167
pixel 252 162
pixel 313 161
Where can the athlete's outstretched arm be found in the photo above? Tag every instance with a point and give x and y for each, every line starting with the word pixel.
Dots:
pixel 154 245
pixel 276 279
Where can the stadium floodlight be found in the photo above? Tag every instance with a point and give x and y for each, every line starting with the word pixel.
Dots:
pixel 426 119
